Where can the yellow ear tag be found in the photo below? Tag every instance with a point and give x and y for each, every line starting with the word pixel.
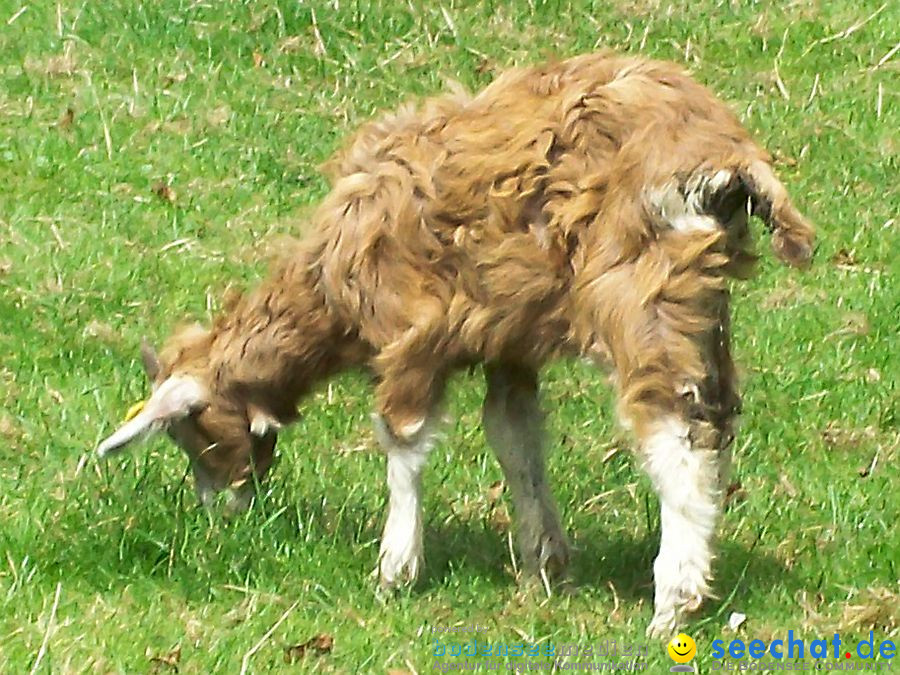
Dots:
pixel 134 410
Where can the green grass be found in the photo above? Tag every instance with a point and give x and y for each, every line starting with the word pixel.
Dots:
pixel 233 107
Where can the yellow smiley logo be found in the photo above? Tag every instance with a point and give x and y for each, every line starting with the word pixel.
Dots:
pixel 682 648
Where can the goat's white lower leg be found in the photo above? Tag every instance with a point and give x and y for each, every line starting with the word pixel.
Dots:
pixel 686 480
pixel 402 552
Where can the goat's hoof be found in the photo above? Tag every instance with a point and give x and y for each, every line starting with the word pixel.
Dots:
pixel 680 590
pixel 549 561
pixel 385 594
pixel 554 556
pixel 547 567
pixel 398 572
pixel 663 625
pixel 666 621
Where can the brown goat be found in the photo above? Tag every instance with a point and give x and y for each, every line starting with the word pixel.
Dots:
pixel 593 207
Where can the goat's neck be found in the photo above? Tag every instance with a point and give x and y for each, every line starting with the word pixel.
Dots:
pixel 280 341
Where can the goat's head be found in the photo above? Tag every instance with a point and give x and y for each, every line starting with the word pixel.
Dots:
pixel 230 445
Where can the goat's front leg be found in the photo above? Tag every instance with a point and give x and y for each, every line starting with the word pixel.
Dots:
pixel 402 552
pixel 513 423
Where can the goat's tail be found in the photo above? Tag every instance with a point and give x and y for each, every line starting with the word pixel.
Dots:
pixel 792 235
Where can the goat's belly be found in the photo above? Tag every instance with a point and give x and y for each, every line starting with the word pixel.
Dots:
pixel 518 315
pixel 524 335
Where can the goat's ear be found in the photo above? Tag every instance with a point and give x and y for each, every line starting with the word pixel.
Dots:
pixel 261 422
pixel 175 398
pixel 150 360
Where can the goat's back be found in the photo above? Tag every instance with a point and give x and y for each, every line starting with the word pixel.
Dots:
pixel 462 227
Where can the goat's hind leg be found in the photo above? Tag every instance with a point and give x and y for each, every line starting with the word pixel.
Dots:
pixel 686 452
pixel 685 478
pixel 513 424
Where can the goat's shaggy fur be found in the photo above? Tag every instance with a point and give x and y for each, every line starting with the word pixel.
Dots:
pixel 593 207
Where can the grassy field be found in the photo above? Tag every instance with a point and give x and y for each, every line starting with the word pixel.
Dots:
pixel 150 156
